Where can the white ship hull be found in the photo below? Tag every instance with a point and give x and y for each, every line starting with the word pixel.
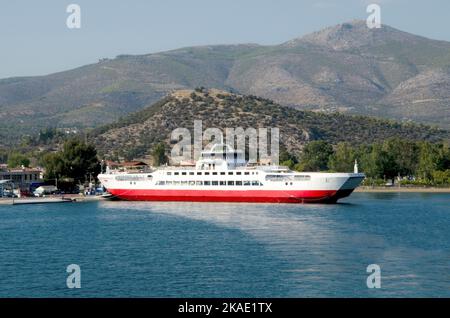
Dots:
pixel 260 186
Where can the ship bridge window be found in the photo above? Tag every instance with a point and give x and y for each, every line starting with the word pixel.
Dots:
pixel 183 173
pixel 169 173
pixel 214 173
pixel 256 183
pixel 247 183
pixel 238 183
pixel 206 183
pixel 230 173
pixel 302 178
pixel 231 183
pixel 191 173
pixel 222 173
pixel 247 173
pixel 199 173
pixel 199 183
pixel 176 173
pixel 206 173
pixel 214 183
pixel 238 173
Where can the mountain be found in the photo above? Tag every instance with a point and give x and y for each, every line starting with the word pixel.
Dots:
pixel 136 134
pixel 347 68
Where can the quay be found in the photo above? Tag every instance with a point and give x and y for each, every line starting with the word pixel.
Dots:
pixel 48 200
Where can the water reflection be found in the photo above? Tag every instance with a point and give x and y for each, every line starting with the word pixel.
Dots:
pixel 303 236
pixel 331 245
pixel 266 222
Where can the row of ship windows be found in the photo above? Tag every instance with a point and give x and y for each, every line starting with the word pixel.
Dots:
pixel 278 178
pixel 214 183
pixel 230 173
pixel 288 178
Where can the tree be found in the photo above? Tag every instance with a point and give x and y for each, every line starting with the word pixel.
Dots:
pixel 373 161
pixel 430 159
pixel 343 158
pixel 16 159
pixel 54 166
pixel 77 160
pixel 47 134
pixel 289 163
pixel 159 155
pixel 403 156
pixel 3 156
pixel 287 159
pixel 315 156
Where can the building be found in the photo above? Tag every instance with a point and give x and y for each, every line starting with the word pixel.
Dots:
pixel 24 178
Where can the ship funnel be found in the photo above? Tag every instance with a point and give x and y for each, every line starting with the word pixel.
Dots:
pixel 355 167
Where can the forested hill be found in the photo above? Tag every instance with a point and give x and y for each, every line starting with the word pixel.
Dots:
pixel 348 68
pixel 135 135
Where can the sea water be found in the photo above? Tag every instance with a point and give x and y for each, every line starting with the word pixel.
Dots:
pixel 164 249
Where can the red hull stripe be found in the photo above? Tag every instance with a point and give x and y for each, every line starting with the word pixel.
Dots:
pixel 225 196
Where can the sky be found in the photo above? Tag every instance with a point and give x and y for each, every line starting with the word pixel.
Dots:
pixel 35 40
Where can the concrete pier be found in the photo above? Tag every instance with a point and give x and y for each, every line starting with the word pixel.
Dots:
pixel 48 200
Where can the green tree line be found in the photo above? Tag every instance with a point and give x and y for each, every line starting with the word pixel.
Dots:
pixel 417 162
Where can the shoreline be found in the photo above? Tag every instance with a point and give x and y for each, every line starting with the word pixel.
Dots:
pixel 50 199
pixel 403 189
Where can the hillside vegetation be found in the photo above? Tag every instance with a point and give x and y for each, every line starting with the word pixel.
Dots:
pixel 347 68
pixel 137 134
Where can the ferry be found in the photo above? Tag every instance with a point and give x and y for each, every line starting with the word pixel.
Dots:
pixel 223 175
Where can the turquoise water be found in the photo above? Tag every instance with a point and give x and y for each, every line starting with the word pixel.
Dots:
pixel 222 250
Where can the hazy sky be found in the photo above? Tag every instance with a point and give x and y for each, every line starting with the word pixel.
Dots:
pixel 35 39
